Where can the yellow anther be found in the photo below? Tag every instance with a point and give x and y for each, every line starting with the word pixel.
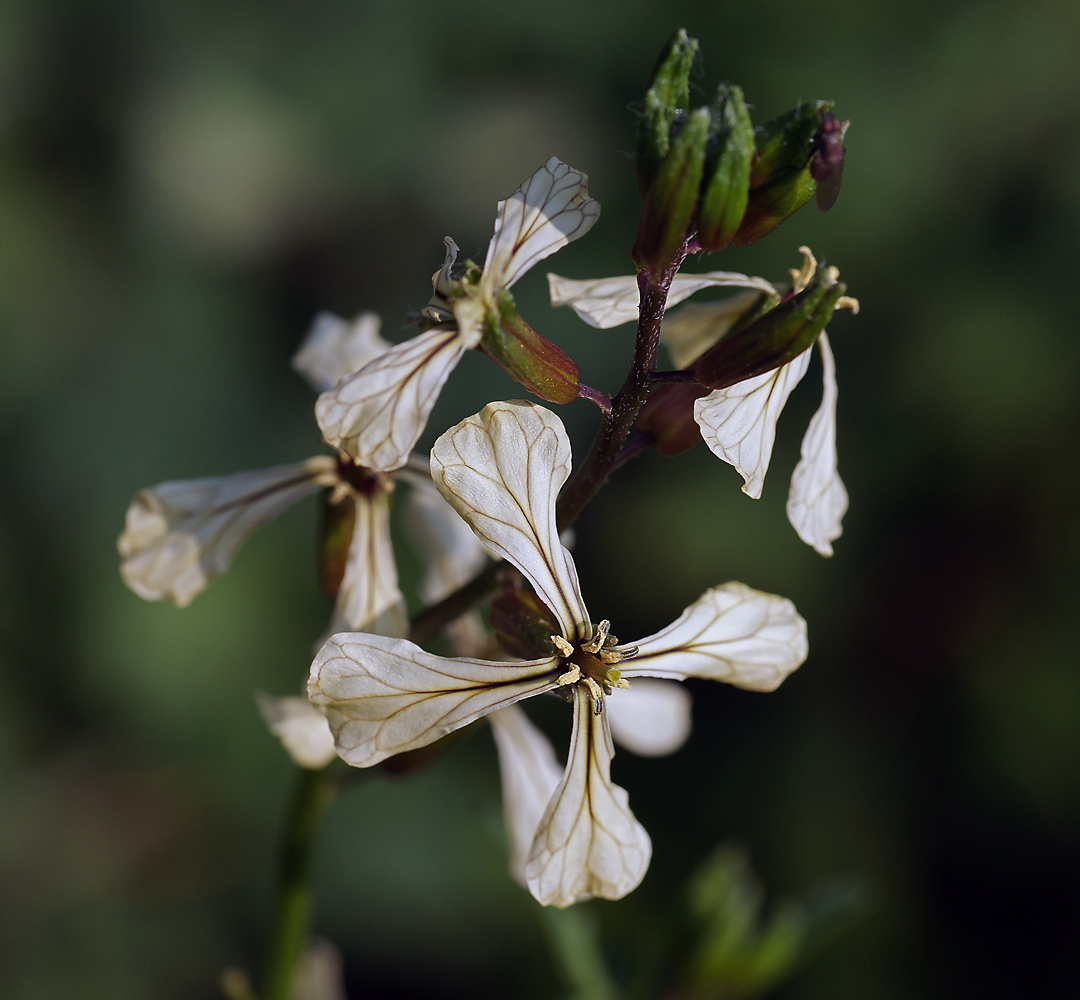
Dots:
pixel 572 676
pixel 597 694
pixel 594 644
pixel 848 302
pixel 562 645
pixel 804 275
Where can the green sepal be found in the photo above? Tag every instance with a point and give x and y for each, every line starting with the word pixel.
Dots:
pixel 772 204
pixel 786 142
pixel 338 521
pixel 727 187
pixel 666 99
pixel 670 205
pixel 774 339
pixel 523 625
pixel 544 369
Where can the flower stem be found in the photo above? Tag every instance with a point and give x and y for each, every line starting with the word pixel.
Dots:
pixel 616 425
pixel 573 937
pixel 292 917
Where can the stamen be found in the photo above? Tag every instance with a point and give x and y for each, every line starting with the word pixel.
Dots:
pixel 597 694
pixel 801 278
pixel 562 645
pixel 598 640
pixel 848 302
pixel 572 676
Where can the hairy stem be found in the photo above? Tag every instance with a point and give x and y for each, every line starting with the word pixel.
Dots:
pixel 615 427
pixel 292 915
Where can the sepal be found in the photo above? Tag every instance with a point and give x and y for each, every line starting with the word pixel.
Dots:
pixel 668 415
pixel 727 187
pixel 774 339
pixel 667 98
pixel 528 358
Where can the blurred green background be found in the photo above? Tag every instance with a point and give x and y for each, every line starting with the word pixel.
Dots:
pixel 182 186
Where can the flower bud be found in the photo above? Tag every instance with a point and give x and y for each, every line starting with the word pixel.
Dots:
pixel 523 625
pixel 727 184
pixel 527 357
pixel 774 339
pixel 666 101
pixel 781 176
pixel 668 415
pixel 668 213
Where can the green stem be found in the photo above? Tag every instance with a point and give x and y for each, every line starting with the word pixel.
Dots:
pixel 292 916
pixel 575 941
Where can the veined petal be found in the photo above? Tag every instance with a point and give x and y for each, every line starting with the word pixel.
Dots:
pixel 383 696
pixel 452 554
pixel 818 501
pixel 180 535
pixel 377 414
pixel 739 423
pixel 301 727
pixel 731 633
pixel 693 329
pixel 607 302
pixel 369 599
pixel 549 210
pixel 501 470
pixel 530 775
pixel 335 348
pixel 588 842
pixel 650 718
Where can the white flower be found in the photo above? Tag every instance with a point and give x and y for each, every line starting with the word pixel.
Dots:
pixel 739 423
pixel 179 535
pixel 377 415
pixel 501 470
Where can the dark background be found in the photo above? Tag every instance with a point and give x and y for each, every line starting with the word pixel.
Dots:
pixel 182 186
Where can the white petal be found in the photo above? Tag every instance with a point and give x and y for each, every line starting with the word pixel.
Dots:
pixel 588 843
pixel 377 414
pixel 549 210
pixel 179 535
pixel 384 696
pixel 817 500
pixel 501 470
pixel 320 975
pixel 693 329
pixel 335 348
pixel 301 727
pixel 739 423
pixel 650 718
pixel 607 302
pixel 369 599
pixel 530 775
pixel 452 554
pixel 731 633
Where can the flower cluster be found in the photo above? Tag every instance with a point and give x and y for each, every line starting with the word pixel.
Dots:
pixel 491 495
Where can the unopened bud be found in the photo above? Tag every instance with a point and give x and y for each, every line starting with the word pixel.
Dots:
pixel 774 339
pixel 523 625
pixel 528 358
pixel 727 173
pixel 668 415
pixel 666 102
pixel 670 205
pixel 782 176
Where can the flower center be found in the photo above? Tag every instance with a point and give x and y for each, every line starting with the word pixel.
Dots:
pixel 592 663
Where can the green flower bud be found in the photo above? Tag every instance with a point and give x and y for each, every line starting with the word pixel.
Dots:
pixel 668 213
pixel 786 142
pixel 666 101
pixel 528 358
pixel 727 186
pixel 774 339
pixel 782 175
